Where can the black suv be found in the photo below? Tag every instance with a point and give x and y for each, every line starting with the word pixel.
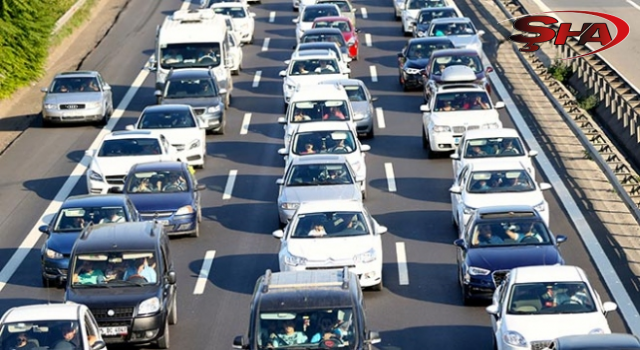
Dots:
pixel 325 308
pixel 123 272
pixel 199 89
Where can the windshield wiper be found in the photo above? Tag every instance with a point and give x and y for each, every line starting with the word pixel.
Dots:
pixel 131 283
pixel 97 285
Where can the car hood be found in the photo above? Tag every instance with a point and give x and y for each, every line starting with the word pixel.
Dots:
pixel 62 242
pixel 121 165
pixel 152 202
pixel 479 200
pixel 313 79
pixel 463 40
pixel 548 327
pixel 509 257
pixel 360 107
pixel 416 63
pixel 438 78
pixel 337 249
pixel 182 136
pixel 98 298
pixel 305 25
pixel 70 98
pixel 194 102
pixel 299 194
pixel 470 117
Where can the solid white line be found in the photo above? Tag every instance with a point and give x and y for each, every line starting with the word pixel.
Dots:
pixel 256 79
pixel 391 178
pixel 244 129
pixel 374 73
pixel 34 235
pixel 364 13
pixel 228 189
pixel 185 5
pixel 265 44
pixel 367 39
pixel 403 271
pixel 272 16
pixel 380 115
pixel 633 4
pixel 204 272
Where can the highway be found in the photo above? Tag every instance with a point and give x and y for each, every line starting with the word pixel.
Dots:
pixel 421 303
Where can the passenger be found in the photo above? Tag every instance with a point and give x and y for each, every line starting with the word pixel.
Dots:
pixel 172 56
pixel 289 337
pixel 22 343
pixel 308 149
pixel 86 274
pixel 140 269
pixel 325 67
pixel 486 237
pixel 63 89
pixel 68 337
pixel 334 114
pixel 113 216
pixel 317 230
pixel 300 116
pixel 476 151
pixel 447 107
pixel 481 185
pixel 301 68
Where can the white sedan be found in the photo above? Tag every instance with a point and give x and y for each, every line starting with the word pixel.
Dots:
pixel 235 46
pixel 495 183
pixel 490 144
pixel 243 19
pixel 333 234
pixel 537 304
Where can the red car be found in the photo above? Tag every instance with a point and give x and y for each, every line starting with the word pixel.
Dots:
pixel 349 32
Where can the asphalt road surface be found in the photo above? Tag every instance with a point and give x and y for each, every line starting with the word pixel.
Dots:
pixel 423 307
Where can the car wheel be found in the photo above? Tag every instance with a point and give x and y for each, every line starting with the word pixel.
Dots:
pixel 196 233
pixel 173 314
pixel 236 71
pixel 222 128
pixel 163 341
pixel 47 283
pixel 453 221
pixel 378 287
pixel 425 140
pixel 371 133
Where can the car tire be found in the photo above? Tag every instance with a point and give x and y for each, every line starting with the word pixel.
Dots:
pixel 425 140
pixel 222 128
pixel 47 283
pixel 236 71
pixel 173 313
pixel 378 287
pixel 164 340
pixel 227 101
pixel 196 233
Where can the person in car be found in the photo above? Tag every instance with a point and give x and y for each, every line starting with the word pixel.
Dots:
pixel 476 151
pixel 141 269
pixel 340 147
pixel 573 294
pixel 355 224
pixel 308 149
pixel 529 236
pixel 86 274
pixel 289 337
pixel 68 337
pixel 326 330
pixel 176 183
pixel 334 114
pixel 113 216
pixel 22 343
pixel 300 116
pixel 301 69
pixel 476 103
pixel 325 67
pixel 481 185
pixel 508 149
pixel 485 236
pixel 317 230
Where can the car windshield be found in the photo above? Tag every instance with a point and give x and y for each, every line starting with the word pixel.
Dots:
pixel 197 55
pixel 319 175
pixel 314 67
pixel 114 269
pixel 324 142
pixel 344 6
pixel 418 51
pixel 420 4
pixel 234 12
pixel 427 16
pixel 342 25
pixel 311 13
pixel 130 148
pixel 335 49
pixel 550 298
pixel 517 180
pixel 313 111
pixel 493 147
pixel 457 101
pixel 323 328
pixel 448 29
pixel 329 225
pixel 168 181
pixel 510 232
pixel 190 88
pixel 50 334
pixel 471 61
pixel 356 93
pixel 322 38
pixel 171 119
pixel 69 85
pixel 75 219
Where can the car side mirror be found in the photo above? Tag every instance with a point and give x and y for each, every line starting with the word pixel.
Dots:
pixel 533 153
pixel 561 239
pixel 545 186
pixel 347 71
pixel 44 89
pixel 358 30
pixel 282 73
pixel 252 14
pixel 157 93
pixel 171 277
pixel 201 187
pixel 282 151
pixel 90 152
pixel 106 87
pixel 499 105
pixel 354 10
pixel 492 309
pixel 277 234
pixel 295 20
pixel 282 120
pixel 455 189
pixel 374 99
pixel 480 32
pixel 425 108
pixel 223 91
pixel 489 70
pixel 280 182
pixel 130 127
pixel 287 62
pixel 348 60
pixel 609 306
pixel 98 345
pixel 373 337
pixel 460 244
pixel 455 156
pixel 400 55
pixel 44 229
pixel 239 342
pixel 365 148
pixel 381 229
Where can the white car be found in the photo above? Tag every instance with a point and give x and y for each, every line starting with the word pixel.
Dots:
pixel 300 4
pixel 492 183
pixel 119 151
pixel 243 19
pixel 331 234
pixel 460 31
pixel 40 326
pixel 343 59
pixel 537 304
pixel 478 146
pixel 412 8
pixel 318 139
pixel 309 13
pixel 457 105
pixel 235 46
pixel 398 6
pixel 179 124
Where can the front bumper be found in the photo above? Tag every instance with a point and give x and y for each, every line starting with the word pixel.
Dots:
pixel 73 115
pixel 364 126
pixel 177 225
pixel 212 121
pixel 285 214
pixel 103 187
pixel 369 274
pixel 412 80
pixel 55 269
pixel 140 330
pixel 444 141
pixel 479 287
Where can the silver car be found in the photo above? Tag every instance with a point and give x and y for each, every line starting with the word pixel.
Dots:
pixel 81 96
pixel 460 31
pixel 362 104
pixel 312 179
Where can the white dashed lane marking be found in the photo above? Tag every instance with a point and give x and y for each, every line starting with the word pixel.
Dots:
pixel 403 271
pixel 367 39
pixel 365 15
pixel 228 189
pixel 391 177
pixel 374 73
pixel 272 16
pixel 203 277
pixel 380 117
pixel 265 44
pixel 256 79
pixel 244 129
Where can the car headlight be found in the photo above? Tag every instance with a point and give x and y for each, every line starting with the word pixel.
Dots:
pixel 95 176
pixel 366 257
pixel 50 106
pixel 412 71
pixel 149 306
pixel 244 25
pixel 410 19
pixel 294 260
pixel 469 210
pixel 187 209
pixel 477 271
pixel 515 339
pixel 441 128
pixel 289 87
pixel 420 33
pixel 359 116
pixel 213 109
pixel 596 331
pixel 194 144
pixel 540 206
pixel 490 126
pixel 289 206
pixel 52 254
pixel 93 105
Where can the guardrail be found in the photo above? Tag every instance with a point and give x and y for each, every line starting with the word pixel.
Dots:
pixel 67 16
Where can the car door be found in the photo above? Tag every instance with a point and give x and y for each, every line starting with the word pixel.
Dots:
pixel 402 58
pixel 456 199
pixel 91 329
pixel 106 92
pixel 196 194
pixel 457 164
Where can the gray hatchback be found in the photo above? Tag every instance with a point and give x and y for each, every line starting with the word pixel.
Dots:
pixel 361 102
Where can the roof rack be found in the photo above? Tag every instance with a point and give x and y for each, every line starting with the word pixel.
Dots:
pixel 344 283
pixel 193 16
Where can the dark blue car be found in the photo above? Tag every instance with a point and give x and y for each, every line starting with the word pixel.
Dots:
pixel 168 192
pixel 413 59
pixel 498 239
pixel 76 213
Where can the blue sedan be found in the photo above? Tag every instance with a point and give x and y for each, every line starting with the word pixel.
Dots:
pixel 167 192
pixel 76 213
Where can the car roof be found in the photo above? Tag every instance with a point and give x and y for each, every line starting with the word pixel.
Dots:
pixel 43 312
pixel 323 126
pixel 451 20
pixel 191 73
pixel 228 4
pixel 429 40
pixel 490 133
pixel 77 74
pixel 506 209
pixel 316 31
pixel 126 236
pixel 345 82
pixel 498 165
pixel 454 52
pixel 333 205
pixel 434 9
pixel 314 52
pixel 326 54
pixel 127 134
pixel 548 273
pixel 318 44
pixel 599 341
pixel 158 166
pixel 320 92
pixel 168 107
pixel 319 6
pixel 332 19
pixel 90 200
pixel 320 159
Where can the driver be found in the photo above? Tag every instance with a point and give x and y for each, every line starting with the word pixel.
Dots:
pixel 326 331
pixel 341 147
pixel 289 337
pixel 324 67
pixel 141 268
pixel 529 236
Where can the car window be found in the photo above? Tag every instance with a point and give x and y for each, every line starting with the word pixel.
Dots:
pixel 419 50
pixel 324 142
pixel 420 4
pixel 75 219
pixel 75 85
pixel 116 269
pixel 330 224
pixel 517 180
pixel 441 63
pixel 356 93
pixel 192 55
pixel 509 232
pixel 319 175
pixel 41 335
pixel 314 67
pixel 233 12
pixel 130 148
pixel 190 88
pixel 310 13
pixel 428 16
pixel 319 38
pixel 342 5
pixel 174 119
pixel 311 111
pixel 456 101
pixel 550 298
pixel 169 181
pixel 447 29
pixel 343 26
pixel 493 147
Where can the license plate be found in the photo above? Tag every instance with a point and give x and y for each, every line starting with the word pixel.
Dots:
pixel 107 331
pixel 164 222
pixel 456 140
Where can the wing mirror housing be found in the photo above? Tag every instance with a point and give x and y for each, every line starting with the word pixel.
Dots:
pixel 157 93
pixel 223 91
pixel 609 306
pixel 201 187
pixel 545 186
pixel 44 229
pixel 460 244
pixel 381 229
pixel 480 32
pixel 171 277
pixel 44 89
pixel 499 105
pixel 492 309
pixel 425 108
pixel 533 153
pixel 239 342
pixel 287 62
pixel 295 20
pixel 373 337
pixel 130 127
pixel 282 120
pixel 278 234
pixel 347 71
pixel 561 239
pixel 106 87
pixel 280 182
pixel 374 99
pixel 455 156
pixel 455 190
pixel 252 14
pixel 98 345
pixel 400 55
pixel 282 151
pixel 489 70
pixel 365 148
pixel 282 73
pixel 90 152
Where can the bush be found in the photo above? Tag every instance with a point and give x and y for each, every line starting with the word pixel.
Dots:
pixel 560 71
pixel 588 103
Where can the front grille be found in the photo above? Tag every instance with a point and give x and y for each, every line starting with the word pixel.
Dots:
pixel 473 127
pixel 115 179
pixel 539 345
pixel 179 147
pixel 199 111
pixel 329 267
pixel 72 106
pixel 461 129
pixel 160 214
pixel 499 276
pixel 118 312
